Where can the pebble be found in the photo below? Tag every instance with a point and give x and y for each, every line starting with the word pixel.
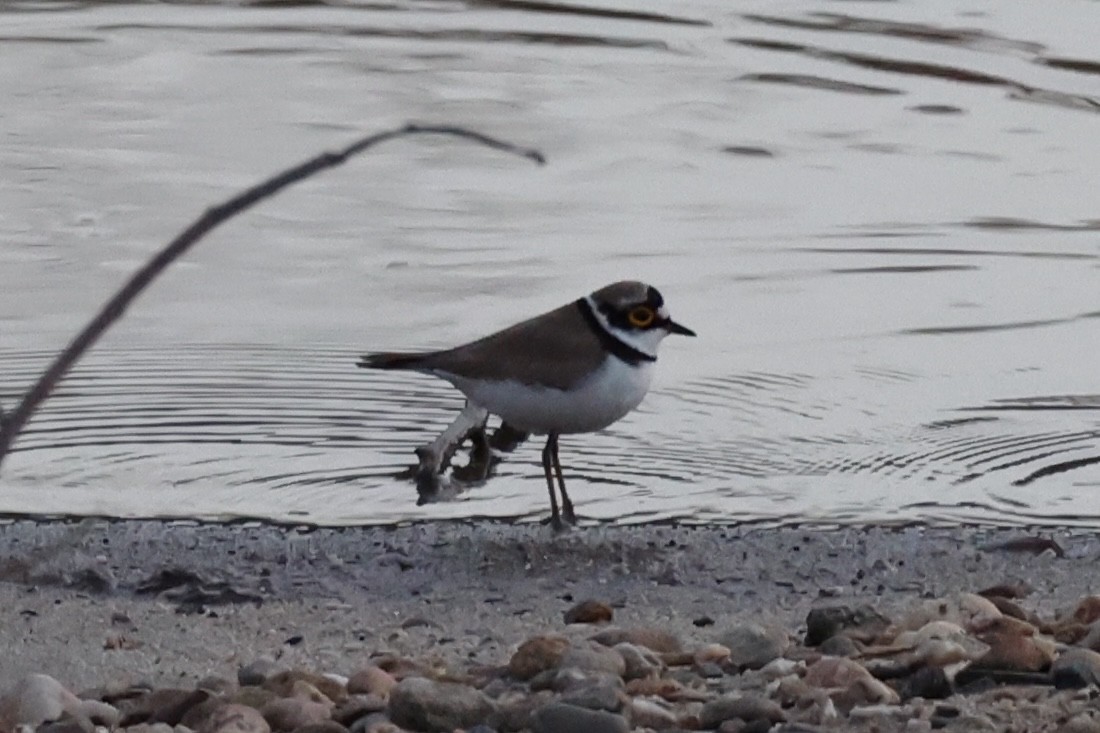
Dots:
pixel 233 718
pixel 658 640
pixel 563 718
pixel 961 662
pixel 752 645
pixel 536 655
pixel 823 623
pixel 638 661
pixel 39 698
pixel 371 681
pixel 256 672
pixel 1076 668
pixel 426 705
pixel 593 657
pixel 747 708
pixel 589 612
pixel 289 713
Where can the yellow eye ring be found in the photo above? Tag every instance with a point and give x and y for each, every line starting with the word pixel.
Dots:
pixel 641 317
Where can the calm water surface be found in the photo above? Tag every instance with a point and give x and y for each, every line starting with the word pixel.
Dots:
pixel 883 219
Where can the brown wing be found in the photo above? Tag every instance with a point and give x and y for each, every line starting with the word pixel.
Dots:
pixel 556 349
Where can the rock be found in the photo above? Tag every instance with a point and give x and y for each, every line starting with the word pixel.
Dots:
pixel 536 655
pixel 257 672
pixel 356 707
pixel 711 653
pixel 589 612
pixel 65 725
pixel 329 726
pixel 1076 668
pixel 1014 653
pixel 38 698
pixel 659 640
pixel 283 684
pixel 426 705
pixel 593 657
pixel 150 728
pixel 371 681
pixel 968 610
pixel 561 718
pixel 666 688
pixel 639 661
pixel 839 646
pixel 290 713
pixel 863 623
pixel 166 705
pixel 834 672
pixel 644 713
pixel 253 697
pixel 1085 722
pixel 1087 610
pixel 930 683
pixel 302 690
pixel 752 645
pixel 603 693
pixel 233 718
pixel 748 708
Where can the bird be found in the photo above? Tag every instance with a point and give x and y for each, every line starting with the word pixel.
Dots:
pixel 575 369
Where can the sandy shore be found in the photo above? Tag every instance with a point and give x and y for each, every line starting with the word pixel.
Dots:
pixel 98 602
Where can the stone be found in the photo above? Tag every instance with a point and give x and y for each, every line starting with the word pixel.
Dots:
pixel 711 654
pixel 644 713
pixel 968 610
pixel 562 718
pixel 536 655
pixel 834 672
pixel 753 645
pixel 234 718
pixel 329 726
pixel 256 672
pixel 38 698
pixel 604 693
pixel 1084 722
pixel 747 708
pixel 589 612
pixel 863 623
pixel 638 661
pixel 593 657
pixel 1076 668
pixel 930 683
pixel 426 705
pixel 1014 653
pixel 371 681
pixel 290 713
pixel 658 640
pixel 283 684
pixel 165 705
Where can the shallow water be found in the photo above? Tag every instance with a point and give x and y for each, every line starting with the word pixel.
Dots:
pixel 880 217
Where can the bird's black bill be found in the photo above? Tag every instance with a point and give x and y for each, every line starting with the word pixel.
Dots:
pixel 673 327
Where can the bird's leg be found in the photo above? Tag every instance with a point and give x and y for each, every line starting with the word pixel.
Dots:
pixel 481 460
pixel 548 454
pixel 566 502
pixel 436 456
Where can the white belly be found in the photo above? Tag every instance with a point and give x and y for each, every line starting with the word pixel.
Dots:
pixel 611 392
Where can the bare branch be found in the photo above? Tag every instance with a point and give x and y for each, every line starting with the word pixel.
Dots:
pixel 113 309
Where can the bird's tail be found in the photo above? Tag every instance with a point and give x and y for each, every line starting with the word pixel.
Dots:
pixel 390 360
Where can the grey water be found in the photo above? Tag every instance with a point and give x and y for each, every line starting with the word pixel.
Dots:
pixel 882 218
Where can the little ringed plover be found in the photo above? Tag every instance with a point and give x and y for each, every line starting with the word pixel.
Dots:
pixel 575 369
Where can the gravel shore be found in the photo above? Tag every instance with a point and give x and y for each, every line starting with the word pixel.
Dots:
pixel 99 603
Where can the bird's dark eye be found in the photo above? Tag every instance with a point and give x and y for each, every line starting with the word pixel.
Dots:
pixel 641 317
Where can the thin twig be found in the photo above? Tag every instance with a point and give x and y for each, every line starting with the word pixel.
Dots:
pixel 14 421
